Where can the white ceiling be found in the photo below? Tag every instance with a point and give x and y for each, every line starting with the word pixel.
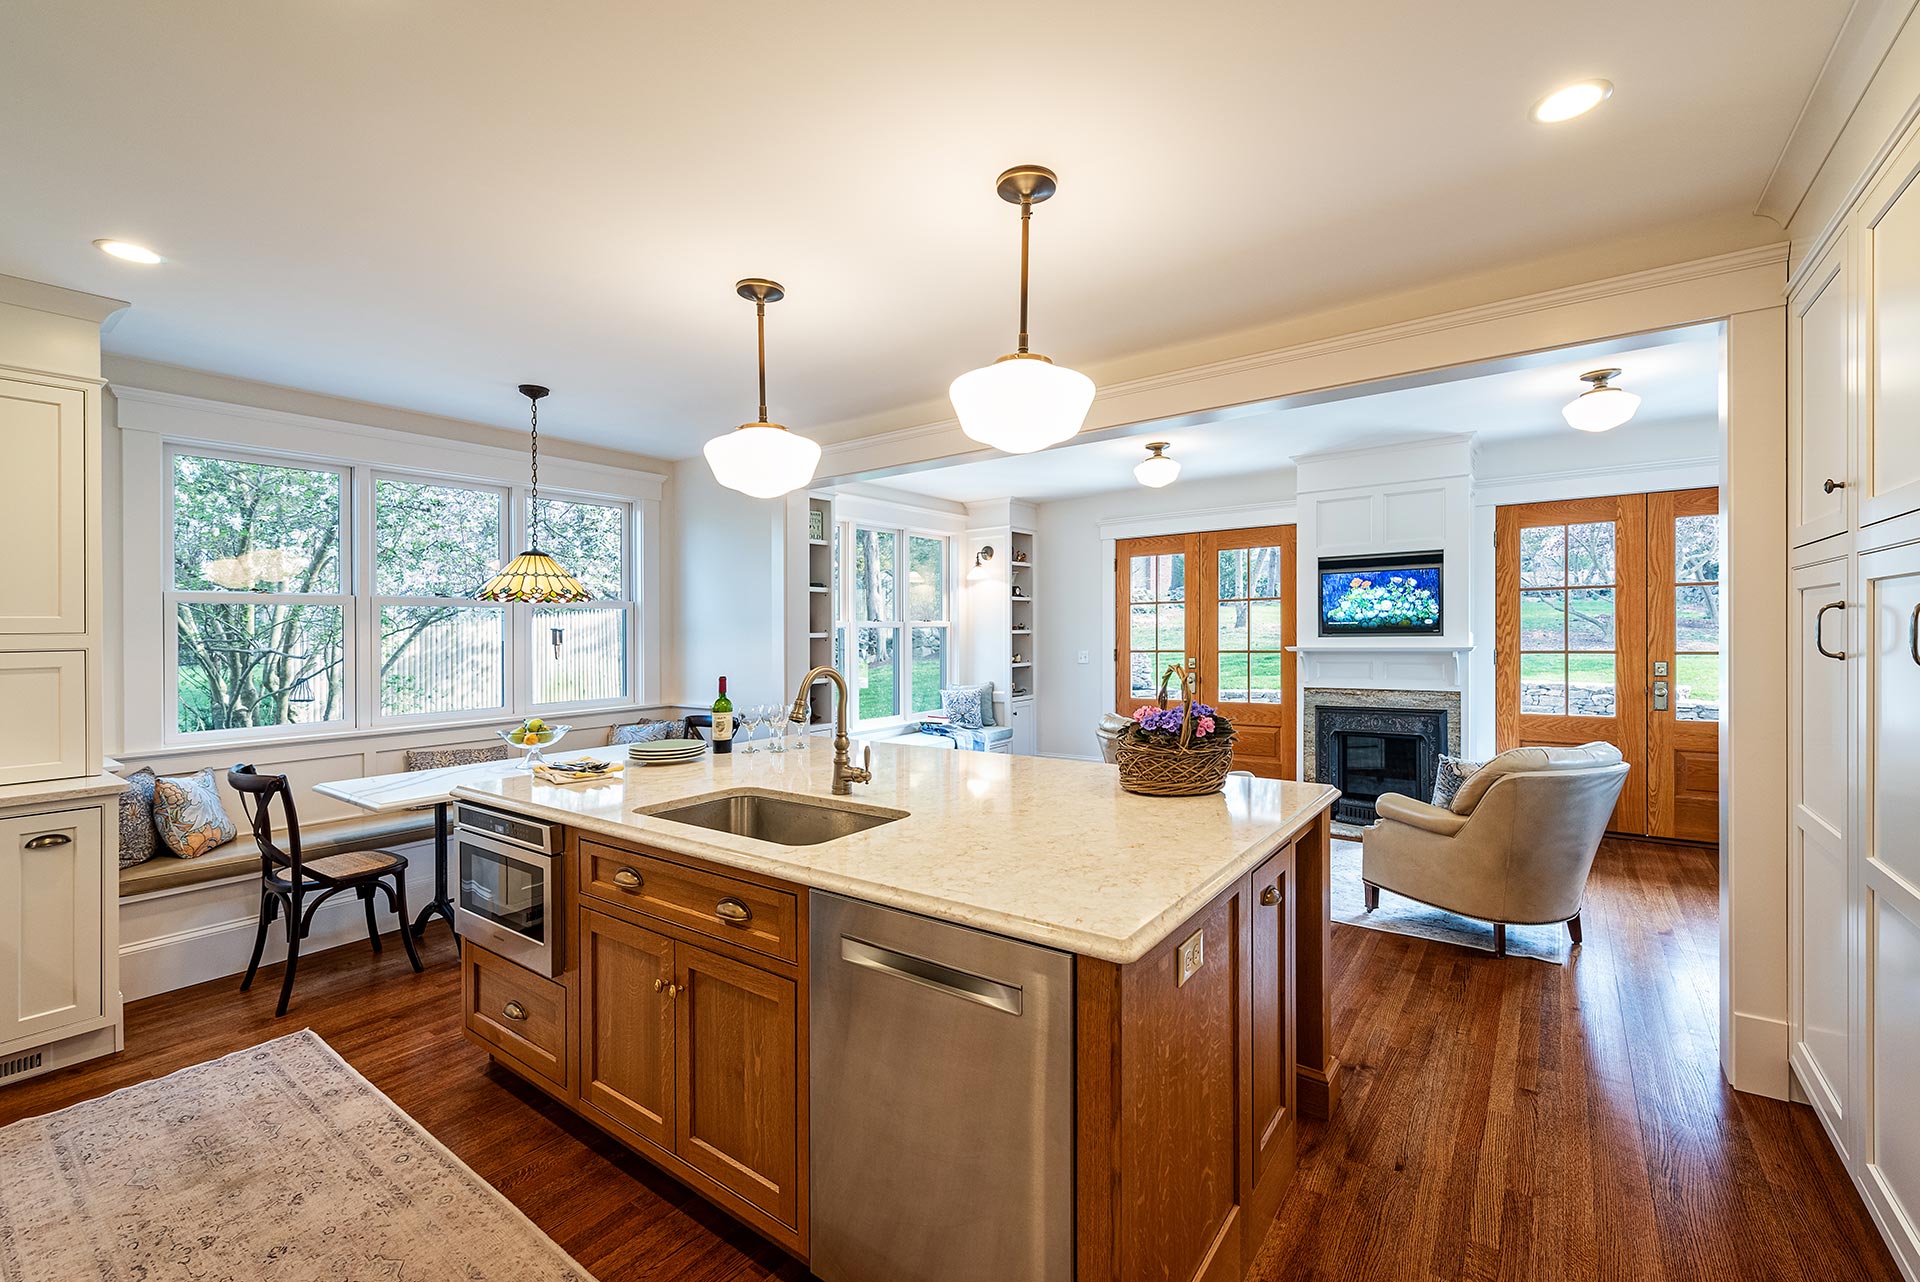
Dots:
pixel 424 202
pixel 1676 375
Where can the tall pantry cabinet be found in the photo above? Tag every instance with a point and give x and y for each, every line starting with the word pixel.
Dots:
pixel 1854 854
pixel 59 892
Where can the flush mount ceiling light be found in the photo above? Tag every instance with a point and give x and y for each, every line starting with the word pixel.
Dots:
pixel 762 459
pixel 1022 402
pixel 533 576
pixel 1602 407
pixel 1156 469
pixel 127 251
pixel 1574 100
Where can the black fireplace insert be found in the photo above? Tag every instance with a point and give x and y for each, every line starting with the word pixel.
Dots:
pixel 1367 752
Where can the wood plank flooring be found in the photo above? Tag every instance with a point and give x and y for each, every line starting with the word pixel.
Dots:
pixel 1502 1119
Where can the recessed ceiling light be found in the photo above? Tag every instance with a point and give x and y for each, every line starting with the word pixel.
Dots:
pixel 1574 100
pixel 128 251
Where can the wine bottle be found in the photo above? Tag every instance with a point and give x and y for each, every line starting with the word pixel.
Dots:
pixel 723 720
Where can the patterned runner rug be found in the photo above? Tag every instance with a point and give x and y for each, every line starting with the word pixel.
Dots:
pixel 1399 916
pixel 273 1164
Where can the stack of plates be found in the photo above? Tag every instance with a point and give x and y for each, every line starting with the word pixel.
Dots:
pixel 667 752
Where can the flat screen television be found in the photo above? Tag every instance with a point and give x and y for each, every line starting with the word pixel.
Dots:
pixel 1394 595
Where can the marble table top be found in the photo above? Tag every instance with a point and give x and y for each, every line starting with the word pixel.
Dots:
pixel 416 789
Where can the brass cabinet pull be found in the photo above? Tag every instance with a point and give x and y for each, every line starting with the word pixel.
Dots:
pixel 1831 485
pixel 47 839
pixel 733 912
pixel 1820 644
pixel 514 1010
pixel 1913 634
pixel 1270 895
pixel 666 986
pixel 628 879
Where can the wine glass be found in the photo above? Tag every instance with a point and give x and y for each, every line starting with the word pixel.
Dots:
pixel 753 714
pixel 777 727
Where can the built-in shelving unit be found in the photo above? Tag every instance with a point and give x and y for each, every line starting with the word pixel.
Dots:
pixel 822 569
pixel 1020 598
pixel 1002 629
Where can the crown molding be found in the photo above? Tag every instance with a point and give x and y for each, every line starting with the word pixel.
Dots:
pixel 1603 478
pixel 1857 52
pixel 1693 270
pixel 39 297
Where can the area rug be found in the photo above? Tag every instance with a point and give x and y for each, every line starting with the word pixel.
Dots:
pixel 273 1164
pixel 1401 916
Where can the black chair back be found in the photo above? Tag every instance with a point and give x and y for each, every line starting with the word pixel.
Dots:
pixel 697 722
pixel 257 794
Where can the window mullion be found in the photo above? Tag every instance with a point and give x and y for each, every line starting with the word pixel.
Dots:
pixel 363 656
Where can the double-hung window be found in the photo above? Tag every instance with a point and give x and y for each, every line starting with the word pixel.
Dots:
pixel 897 620
pixel 318 594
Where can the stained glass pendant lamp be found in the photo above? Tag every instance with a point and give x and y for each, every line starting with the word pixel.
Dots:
pixel 1022 402
pixel 762 459
pixel 533 576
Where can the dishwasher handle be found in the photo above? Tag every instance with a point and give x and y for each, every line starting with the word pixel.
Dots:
pixel 931 974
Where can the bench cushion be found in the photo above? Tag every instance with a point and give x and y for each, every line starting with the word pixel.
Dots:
pixel 241 856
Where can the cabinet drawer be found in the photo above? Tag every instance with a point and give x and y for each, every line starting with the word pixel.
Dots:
pixel 723 907
pixel 515 1010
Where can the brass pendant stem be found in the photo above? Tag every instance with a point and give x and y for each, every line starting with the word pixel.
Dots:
pixel 1026 222
pixel 760 313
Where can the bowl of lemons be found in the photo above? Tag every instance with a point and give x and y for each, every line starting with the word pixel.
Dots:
pixel 531 736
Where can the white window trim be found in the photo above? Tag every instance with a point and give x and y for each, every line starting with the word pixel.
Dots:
pixel 848 626
pixel 153 425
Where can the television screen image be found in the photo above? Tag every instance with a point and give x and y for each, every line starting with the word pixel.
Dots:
pixel 1402 598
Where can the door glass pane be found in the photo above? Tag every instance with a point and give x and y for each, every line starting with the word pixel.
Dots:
pixel 1263 571
pixel 1173 627
pixel 1266 630
pixel 1140 631
pixel 1696 549
pixel 1233 625
pixel 1265 678
pixel 1142 679
pixel 1590 685
pixel 441 659
pixel 1170 577
pixel 1543 620
pixel 1233 573
pixel 1140 578
pixel 1543 556
pixel 1543 684
pixel 1590 553
pixel 1232 687
pixel 1696 617
pixel 1696 687
pixel 259 665
pixel 1590 619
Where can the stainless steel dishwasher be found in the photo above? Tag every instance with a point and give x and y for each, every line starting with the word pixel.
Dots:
pixel 941 1063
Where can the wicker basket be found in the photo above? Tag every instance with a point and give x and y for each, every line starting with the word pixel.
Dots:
pixel 1187 770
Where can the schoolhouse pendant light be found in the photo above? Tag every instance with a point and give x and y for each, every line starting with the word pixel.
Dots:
pixel 1022 402
pixel 1602 407
pixel 1156 469
pixel 762 459
pixel 533 576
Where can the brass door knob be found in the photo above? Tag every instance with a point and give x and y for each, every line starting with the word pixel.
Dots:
pixel 733 912
pixel 1270 895
pixel 514 1011
pixel 628 879
pixel 1830 485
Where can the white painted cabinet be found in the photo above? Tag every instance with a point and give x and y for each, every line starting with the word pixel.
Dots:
pixel 1025 740
pixel 52 873
pixel 1820 897
pixel 1889 431
pixel 44 696
pixel 43 523
pixel 1820 338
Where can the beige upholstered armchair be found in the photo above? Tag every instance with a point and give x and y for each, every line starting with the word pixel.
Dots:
pixel 1107 732
pixel 1514 848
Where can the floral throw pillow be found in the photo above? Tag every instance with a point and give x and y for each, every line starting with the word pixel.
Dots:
pixel 188 814
pixel 962 706
pixel 1452 772
pixel 136 819
pixel 647 732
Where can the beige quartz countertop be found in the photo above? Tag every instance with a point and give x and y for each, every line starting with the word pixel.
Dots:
pixel 1041 849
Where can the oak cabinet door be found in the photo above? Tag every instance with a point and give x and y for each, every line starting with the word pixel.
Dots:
pixel 736 1110
pixel 1270 962
pixel 627 1026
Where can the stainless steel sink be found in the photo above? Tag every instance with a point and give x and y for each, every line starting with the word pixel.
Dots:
pixel 788 819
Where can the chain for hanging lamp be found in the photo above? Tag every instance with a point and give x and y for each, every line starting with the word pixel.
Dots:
pixel 533 577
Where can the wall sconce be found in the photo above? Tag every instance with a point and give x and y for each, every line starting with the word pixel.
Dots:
pixel 980 558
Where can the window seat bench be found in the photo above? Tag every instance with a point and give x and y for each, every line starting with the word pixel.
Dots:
pixel 241 857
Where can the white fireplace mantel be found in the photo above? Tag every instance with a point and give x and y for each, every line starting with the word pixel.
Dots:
pixel 1406 663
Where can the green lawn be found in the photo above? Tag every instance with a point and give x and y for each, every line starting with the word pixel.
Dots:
pixel 876 699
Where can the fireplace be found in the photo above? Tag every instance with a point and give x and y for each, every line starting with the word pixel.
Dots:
pixel 1366 752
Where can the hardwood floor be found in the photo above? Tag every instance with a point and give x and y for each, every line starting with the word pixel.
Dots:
pixel 1502 1118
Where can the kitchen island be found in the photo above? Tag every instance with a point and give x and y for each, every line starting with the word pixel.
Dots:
pixel 1192 1022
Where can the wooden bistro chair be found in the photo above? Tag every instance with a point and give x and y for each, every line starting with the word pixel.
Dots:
pixel 287 882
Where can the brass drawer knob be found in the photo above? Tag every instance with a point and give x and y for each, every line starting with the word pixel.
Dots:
pixel 514 1011
pixel 628 879
pixel 1270 895
pixel 666 986
pixel 733 912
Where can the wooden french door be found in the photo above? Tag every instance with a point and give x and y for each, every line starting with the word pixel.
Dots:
pixel 1608 628
pixel 1222 604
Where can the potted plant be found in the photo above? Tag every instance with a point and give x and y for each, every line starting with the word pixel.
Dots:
pixel 1180 751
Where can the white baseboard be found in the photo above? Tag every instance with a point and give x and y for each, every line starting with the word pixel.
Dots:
pixel 206 932
pixel 1758 1062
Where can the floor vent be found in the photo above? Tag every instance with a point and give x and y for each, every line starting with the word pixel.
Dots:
pixel 19 1064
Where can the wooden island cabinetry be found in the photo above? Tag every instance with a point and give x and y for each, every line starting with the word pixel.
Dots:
pixel 679 1025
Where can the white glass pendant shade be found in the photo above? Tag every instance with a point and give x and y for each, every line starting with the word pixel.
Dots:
pixel 764 460
pixel 1020 404
pixel 1601 409
pixel 1157 470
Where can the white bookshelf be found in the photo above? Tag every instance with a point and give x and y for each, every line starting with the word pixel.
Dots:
pixel 819 532
pixel 1003 628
